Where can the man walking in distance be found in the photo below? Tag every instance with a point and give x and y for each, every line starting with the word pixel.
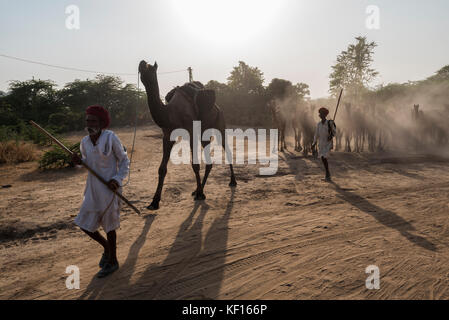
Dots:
pixel 103 152
pixel 325 132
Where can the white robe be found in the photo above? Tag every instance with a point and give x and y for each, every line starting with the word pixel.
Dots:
pixel 101 207
pixel 322 136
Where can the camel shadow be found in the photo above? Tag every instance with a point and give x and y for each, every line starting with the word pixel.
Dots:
pixel 385 217
pixel 155 279
pixel 216 244
pixel 193 269
pixel 97 287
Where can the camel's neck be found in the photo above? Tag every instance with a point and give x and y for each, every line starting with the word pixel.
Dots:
pixel 157 108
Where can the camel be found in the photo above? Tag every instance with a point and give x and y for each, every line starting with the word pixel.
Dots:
pixel 297 129
pixel 431 127
pixel 308 126
pixel 304 127
pixel 179 113
pixel 360 129
pixel 280 123
pixel 346 129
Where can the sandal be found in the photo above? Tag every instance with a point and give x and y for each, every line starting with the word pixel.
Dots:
pixel 104 259
pixel 107 270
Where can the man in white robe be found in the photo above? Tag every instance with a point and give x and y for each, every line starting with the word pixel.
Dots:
pixel 325 132
pixel 102 151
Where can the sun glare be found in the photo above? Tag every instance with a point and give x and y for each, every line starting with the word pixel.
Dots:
pixel 226 21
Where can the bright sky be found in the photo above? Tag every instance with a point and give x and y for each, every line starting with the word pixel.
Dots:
pixel 297 40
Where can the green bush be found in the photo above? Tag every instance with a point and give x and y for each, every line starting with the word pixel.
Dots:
pixel 57 158
pixel 7 133
pixel 26 132
pixel 66 121
pixel 30 133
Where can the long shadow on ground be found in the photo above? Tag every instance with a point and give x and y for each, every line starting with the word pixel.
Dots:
pixel 385 217
pixel 193 269
pixel 98 288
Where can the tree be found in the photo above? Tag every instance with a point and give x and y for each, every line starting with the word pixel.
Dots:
pixel 218 87
pixel 33 99
pixel 246 79
pixel 441 75
pixel 280 88
pixel 302 90
pixel 352 70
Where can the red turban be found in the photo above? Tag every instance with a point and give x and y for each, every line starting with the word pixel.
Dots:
pixel 323 111
pixel 101 113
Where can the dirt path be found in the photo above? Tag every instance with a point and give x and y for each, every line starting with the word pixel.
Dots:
pixel 290 236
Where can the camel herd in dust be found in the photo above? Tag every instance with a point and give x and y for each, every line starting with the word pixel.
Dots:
pixel 364 128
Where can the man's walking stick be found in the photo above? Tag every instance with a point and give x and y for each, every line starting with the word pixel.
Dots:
pixel 85 165
pixel 338 103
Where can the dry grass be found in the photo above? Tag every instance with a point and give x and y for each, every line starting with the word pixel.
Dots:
pixel 16 152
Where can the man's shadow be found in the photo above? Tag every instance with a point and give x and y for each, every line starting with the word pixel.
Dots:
pixel 97 288
pixel 386 217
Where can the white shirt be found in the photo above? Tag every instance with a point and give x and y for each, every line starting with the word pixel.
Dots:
pixel 109 160
pixel 322 136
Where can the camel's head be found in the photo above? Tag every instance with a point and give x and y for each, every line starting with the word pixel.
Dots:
pixel 148 72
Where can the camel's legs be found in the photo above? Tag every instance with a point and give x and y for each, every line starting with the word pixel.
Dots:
pixel 298 146
pixel 233 182
pixel 362 148
pixel 296 138
pixel 280 148
pixel 167 146
pixel 229 157
pixel 206 174
pixel 198 193
pixel 338 140
pixel 283 139
pixel 348 143
pixel 208 167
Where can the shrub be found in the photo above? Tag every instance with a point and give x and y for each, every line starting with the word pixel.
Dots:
pixel 66 121
pixel 26 132
pixel 7 133
pixel 16 152
pixel 57 158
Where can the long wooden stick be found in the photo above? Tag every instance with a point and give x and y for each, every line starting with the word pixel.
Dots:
pixel 338 103
pixel 85 165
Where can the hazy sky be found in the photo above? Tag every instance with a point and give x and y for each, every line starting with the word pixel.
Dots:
pixel 296 40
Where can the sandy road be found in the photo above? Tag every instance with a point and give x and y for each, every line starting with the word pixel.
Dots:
pixel 290 236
